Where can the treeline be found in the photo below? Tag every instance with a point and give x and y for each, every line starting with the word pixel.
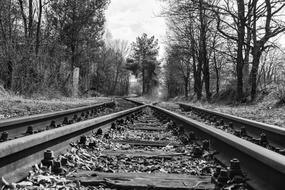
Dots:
pixel 144 64
pixel 43 42
pixel 216 45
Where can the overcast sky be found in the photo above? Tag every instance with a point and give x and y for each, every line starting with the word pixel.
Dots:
pixel 127 19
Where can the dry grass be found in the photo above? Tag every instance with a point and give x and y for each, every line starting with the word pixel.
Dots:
pixel 16 106
pixel 265 111
pixel 257 112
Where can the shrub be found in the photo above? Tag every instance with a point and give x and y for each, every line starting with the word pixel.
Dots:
pixel 280 95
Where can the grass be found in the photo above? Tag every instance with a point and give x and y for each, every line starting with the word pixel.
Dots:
pixel 17 106
pixel 258 112
pixel 265 110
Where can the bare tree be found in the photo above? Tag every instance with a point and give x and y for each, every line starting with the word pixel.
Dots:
pixel 262 32
pixel 192 23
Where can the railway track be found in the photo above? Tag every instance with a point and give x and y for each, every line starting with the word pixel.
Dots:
pixel 268 136
pixel 145 147
pixel 23 126
pixel 133 101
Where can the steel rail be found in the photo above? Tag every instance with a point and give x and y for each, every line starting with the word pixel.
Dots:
pixel 18 155
pixel 16 126
pixel 275 134
pixel 264 168
pixel 133 101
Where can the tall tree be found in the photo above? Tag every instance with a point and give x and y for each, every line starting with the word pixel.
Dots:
pixel 192 24
pixel 203 54
pixel 9 15
pixel 250 24
pixel 233 27
pixel 178 62
pixel 43 41
pixel 76 20
pixel 143 61
pixel 265 25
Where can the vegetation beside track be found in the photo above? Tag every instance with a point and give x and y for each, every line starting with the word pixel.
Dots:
pixel 13 106
pixel 259 112
pixel 266 111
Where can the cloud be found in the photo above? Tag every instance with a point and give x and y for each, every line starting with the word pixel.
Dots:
pixel 127 19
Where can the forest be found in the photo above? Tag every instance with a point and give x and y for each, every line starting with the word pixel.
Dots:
pixel 44 42
pixel 219 48
pixel 214 49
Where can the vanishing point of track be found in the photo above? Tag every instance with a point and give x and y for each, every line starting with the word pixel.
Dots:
pixel 264 168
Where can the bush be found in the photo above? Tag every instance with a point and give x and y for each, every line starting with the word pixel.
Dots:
pixel 3 92
pixel 46 94
pixel 280 95
pixel 226 95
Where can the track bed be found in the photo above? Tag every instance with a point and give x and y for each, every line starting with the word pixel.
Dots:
pixel 141 151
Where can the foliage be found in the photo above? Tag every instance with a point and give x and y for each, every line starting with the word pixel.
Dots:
pixel 280 95
pixel 43 41
pixel 191 43
pixel 175 73
pixel 109 74
pixel 143 62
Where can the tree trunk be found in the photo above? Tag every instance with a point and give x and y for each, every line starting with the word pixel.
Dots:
pixel 246 81
pixel 256 53
pixel 72 68
pixel 186 82
pixel 143 81
pixel 194 73
pixel 75 82
pixel 203 50
pixel 10 75
pixel 116 77
pixel 217 83
pixel 199 81
pixel 239 81
pixel 189 86
pixel 256 57
pixel 39 27
pixel 21 3
pixel 206 75
pixel 197 75
pixel 30 25
pixel 245 72
pixel 217 75
pixel 240 43
pixel 115 84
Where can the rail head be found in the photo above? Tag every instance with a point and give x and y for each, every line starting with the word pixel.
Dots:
pixel 263 126
pixel 134 101
pixel 35 118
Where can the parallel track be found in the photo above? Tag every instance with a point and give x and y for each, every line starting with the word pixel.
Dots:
pixel 275 135
pixel 133 101
pixel 18 155
pixel 19 127
pixel 264 168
